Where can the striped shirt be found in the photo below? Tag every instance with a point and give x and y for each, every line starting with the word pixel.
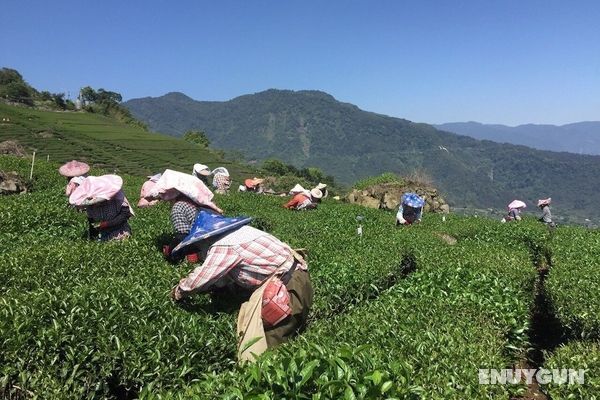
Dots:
pixel 247 256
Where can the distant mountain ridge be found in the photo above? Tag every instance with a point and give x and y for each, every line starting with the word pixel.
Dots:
pixel 579 137
pixel 312 128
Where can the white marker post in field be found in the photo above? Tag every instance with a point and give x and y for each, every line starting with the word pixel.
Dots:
pixel 32 163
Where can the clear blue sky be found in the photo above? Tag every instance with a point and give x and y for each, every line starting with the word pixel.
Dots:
pixel 506 62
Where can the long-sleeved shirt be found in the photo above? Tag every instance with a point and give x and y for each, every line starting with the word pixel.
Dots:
pixel 113 215
pixel 408 214
pixel 221 182
pixel 514 214
pixel 183 215
pixel 298 202
pixel 247 256
pixel 546 215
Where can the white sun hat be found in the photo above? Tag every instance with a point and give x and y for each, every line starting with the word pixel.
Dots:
pixel 201 169
pixel 316 193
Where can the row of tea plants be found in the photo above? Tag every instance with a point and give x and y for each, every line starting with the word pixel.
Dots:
pixel 399 312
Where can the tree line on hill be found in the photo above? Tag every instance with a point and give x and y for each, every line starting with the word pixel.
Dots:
pixel 14 89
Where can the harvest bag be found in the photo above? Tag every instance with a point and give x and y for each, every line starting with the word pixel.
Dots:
pixel 275 303
pixel 250 330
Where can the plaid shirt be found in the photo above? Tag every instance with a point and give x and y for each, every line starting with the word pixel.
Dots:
pixel 183 215
pixel 247 257
pixel 115 212
pixel 222 182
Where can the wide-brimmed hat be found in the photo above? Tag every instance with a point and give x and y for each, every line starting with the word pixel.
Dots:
pixel 516 204
pixel 96 189
pixel 297 189
pixel 323 188
pixel 544 202
pixel 209 224
pixel 201 169
pixel 155 177
pixel 412 200
pixel 73 168
pixel 316 193
pixel 220 170
pixel 253 182
pixel 146 199
pixel 77 180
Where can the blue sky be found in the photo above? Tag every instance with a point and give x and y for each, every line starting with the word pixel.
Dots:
pixel 508 62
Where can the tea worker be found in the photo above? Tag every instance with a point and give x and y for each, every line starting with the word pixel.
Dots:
pixel 304 201
pixel 252 185
pixel 74 171
pixel 183 215
pixel 146 191
pixel 514 214
pixel 514 211
pixel 258 261
pixel 544 205
pixel 410 210
pixel 408 215
pixel 221 180
pixel 187 194
pixel 323 188
pixel 107 208
pixel 201 172
pixel 298 189
pixel 110 218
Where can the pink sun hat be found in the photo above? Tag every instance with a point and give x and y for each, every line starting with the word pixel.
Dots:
pixel 96 189
pixel 73 168
pixel 516 204
pixel 146 192
pixel 544 202
pixel 172 183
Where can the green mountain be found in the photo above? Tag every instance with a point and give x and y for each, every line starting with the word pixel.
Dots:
pixel 579 137
pixel 104 142
pixel 311 128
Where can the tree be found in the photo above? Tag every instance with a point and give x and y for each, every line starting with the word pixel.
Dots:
pixel 59 100
pixel 106 96
pixel 45 95
pixel 196 137
pixel 88 95
pixel 17 91
pixel 8 75
pixel 276 167
pixel 313 174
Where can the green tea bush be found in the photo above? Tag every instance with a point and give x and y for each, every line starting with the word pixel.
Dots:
pixel 574 280
pixel 577 356
pixel 426 336
pixel 398 312
pixel 386 177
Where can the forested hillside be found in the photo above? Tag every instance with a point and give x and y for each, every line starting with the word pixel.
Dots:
pixel 579 137
pixel 311 128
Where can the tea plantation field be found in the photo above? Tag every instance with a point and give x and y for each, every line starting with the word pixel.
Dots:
pixel 103 141
pixel 399 312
